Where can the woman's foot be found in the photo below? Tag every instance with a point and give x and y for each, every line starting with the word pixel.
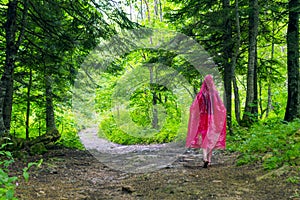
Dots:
pixel 205 165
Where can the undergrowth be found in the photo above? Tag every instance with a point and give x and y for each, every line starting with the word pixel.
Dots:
pixel 273 143
pixel 109 130
pixel 8 183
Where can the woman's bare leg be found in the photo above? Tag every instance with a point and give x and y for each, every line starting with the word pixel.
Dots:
pixel 209 156
pixel 205 155
pixel 205 158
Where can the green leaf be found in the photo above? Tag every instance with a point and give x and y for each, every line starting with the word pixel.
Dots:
pixel 26 175
pixel 10 194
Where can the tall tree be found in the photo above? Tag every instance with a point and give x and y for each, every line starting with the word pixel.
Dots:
pixel 234 62
pixel 28 101
pixel 250 114
pixel 293 104
pixel 50 117
pixel 227 56
pixel 51 27
pixel 14 37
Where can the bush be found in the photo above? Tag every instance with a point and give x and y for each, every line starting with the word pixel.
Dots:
pixel 110 130
pixel 273 143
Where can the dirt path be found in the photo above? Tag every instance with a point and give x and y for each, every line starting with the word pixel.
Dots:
pixel 131 158
pixel 73 174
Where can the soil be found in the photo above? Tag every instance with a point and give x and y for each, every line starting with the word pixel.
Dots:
pixel 77 174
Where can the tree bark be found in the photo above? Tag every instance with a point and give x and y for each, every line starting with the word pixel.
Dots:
pixel 12 46
pixel 292 107
pixel 227 48
pixel 160 11
pixel 148 10
pixel 155 8
pixel 237 101
pixel 7 77
pixel 250 106
pixel 260 99
pixel 28 104
pixel 142 11
pixel 50 118
pixel 154 99
pixel 234 61
pixel 254 110
pixel 269 105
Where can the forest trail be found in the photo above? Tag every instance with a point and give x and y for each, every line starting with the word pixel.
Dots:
pixel 74 174
pixel 132 158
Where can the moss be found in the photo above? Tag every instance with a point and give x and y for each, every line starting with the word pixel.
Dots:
pixel 38 148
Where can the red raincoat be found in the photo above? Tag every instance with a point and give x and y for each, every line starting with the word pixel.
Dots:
pixel 207 123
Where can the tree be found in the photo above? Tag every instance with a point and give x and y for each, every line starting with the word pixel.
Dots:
pixel 12 46
pixel 227 46
pixel 257 48
pixel 293 104
pixel 250 112
pixel 237 42
pixel 64 30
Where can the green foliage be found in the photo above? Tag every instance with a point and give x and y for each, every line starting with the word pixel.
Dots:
pixel 136 127
pixel 104 92
pixel 68 130
pixel 38 149
pixel 271 142
pixel 109 129
pixel 58 36
pixel 29 165
pixel 70 140
pixel 7 183
pixel 294 179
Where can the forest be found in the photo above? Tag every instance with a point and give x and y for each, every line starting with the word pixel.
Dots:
pixel 131 68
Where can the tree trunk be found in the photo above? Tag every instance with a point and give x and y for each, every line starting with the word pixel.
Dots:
pixel 254 110
pixel 155 8
pixel 293 105
pixel 50 119
pixel 130 11
pixel 227 48
pixel 160 11
pixel 8 99
pixel 2 94
pixel 269 105
pixel 154 100
pixel 12 46
pixel 152 83
pixel 7 77
pixel 260 99
pixel 237 101
pixel 251 97
pixel 142 11
pixel 234 61
pixel 28 104
pixel 148 10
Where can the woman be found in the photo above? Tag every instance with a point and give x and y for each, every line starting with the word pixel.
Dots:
pixel 207 123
